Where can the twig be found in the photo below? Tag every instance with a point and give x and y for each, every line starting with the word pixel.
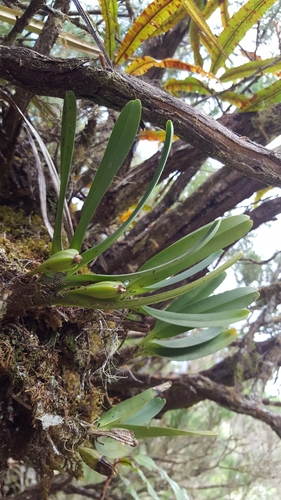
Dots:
pixel 93 32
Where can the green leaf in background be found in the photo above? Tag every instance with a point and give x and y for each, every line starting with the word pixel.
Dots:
pixel 187 353
pixel 68 128
pixel 197 16
pixel 145 461
pixel 109 12
pixel 119 145
pixel 237 27
pixel 270 65
pixel 263 98
pixel 191 84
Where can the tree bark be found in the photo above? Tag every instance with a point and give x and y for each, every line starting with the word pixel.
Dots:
pixel 53 76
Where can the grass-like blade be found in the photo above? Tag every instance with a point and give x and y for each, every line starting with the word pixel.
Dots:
pixel 119 145
pixel 68 127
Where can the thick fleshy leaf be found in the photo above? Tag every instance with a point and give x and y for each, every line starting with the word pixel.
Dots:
pixel 264 98
pixel 142 64
pixel 92 253
pixel 68 127
pixel 192 339
pixel 240 23
pixel 119 145
pixel 155 14
pixel 190 84
pixel 109 12
pixel 164 330
pixel 225 301
pixel 270 65
pixel 144 432
pixel 187 353
pixel 127 409
pixel 191 271
pixel 231 229
pixel 148 412
pixel 172 266
pixel 86 279
pixel 198 320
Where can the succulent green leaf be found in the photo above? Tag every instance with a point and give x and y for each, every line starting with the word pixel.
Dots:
pixel 231 229
pixel 186 274
pixel 198 320
pixel 92 253
pixel 68 128
pixel 163 330
pixel 76 300
pixel 149 411
pixel 175 265
pixel 119 145
pixel 127 409
pixel 194 352
pixel 85 279
pixel 192 339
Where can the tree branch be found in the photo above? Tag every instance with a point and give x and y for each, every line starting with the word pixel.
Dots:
pixel 53 76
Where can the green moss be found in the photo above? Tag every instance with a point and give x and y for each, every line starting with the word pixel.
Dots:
pixel 23 238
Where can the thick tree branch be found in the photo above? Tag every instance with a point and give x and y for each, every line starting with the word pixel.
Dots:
pixel 53 76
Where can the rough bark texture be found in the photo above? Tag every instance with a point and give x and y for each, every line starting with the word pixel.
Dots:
pixel 50 76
